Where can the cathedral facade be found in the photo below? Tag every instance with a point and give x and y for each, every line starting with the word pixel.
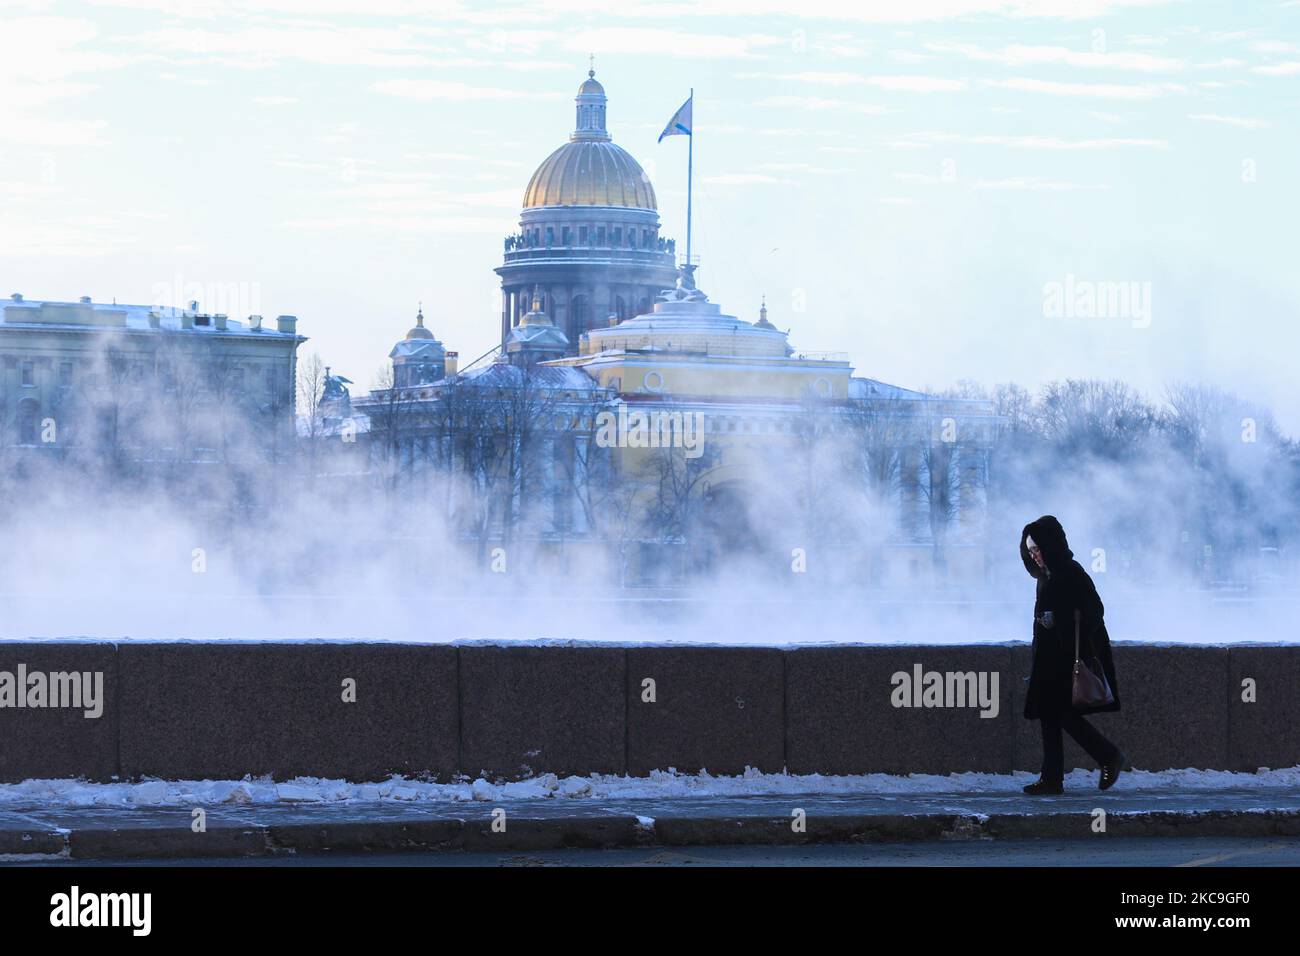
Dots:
pixel 588 242
pixel 786 451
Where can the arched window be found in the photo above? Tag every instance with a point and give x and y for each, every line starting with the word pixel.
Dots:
pixel 580 320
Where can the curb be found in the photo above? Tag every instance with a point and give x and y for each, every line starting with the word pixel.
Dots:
pixel 607 831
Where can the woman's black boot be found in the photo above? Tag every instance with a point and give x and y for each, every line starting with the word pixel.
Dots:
pixel 1110 771
pixel 1042 787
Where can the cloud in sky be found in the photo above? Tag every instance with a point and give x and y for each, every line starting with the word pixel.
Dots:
pixel 747 179
pixel 894 83
pixel 913 11
pixel 1034 142
pixel 821 104
pixel 1117 91
pixel 415 89
pixel 1022 55
pixel 1243 121
pixel 1290 68
pixel 1035 184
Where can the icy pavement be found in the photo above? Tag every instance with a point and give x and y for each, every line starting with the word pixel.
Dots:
pixel 68 820
pixel 1081 801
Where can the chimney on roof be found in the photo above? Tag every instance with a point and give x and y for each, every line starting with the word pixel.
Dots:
pixel 155 320
pixel 453 360
pixel 221 321
pixel 286 323
pixel 17 297
pixel 85 300
pixel 255 323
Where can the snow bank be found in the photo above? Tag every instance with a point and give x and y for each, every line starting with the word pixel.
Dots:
pixel 661 785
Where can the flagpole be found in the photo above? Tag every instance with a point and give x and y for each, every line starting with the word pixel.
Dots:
pixel 690 162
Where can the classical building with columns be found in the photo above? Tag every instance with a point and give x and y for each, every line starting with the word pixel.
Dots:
pixel 588 237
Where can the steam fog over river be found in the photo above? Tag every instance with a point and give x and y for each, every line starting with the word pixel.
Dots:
pixel 657 617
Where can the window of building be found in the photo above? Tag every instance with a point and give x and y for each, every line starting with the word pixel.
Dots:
pixel 600 235
pixel 29 374
pixel 618 237
pixel 550 235
pixel 65 374
pixel 565 235
pixel 582 235
pixel 29 420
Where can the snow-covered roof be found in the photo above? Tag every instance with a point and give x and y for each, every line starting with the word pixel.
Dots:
pixel 426 349
pixel 85 314
pixel 502 375
pixel 329 426
pixel 871 388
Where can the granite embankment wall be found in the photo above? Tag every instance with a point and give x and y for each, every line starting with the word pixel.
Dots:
pixel 221 710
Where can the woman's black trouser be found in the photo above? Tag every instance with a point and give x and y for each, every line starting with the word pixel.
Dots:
pixel 1088 737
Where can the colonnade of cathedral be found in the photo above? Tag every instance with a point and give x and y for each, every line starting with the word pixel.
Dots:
pixel 577 308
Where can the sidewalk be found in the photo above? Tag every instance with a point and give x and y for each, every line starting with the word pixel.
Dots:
pixel 89 833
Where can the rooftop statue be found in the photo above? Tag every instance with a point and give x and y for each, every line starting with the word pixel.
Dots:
pixel 335 398
pixel 685 290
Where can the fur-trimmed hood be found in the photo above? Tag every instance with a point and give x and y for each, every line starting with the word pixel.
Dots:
pixel 1050 537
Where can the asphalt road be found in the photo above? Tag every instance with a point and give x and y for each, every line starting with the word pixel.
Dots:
pixel 1099 851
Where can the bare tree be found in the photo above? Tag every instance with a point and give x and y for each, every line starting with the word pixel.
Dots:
pixel 676 484
pixel 311 390
pixel 1108 420
pixel 392 421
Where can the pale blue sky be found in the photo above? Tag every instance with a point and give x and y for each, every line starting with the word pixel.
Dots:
pixel 900 179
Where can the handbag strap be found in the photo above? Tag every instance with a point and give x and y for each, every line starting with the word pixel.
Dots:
pixel 1077 615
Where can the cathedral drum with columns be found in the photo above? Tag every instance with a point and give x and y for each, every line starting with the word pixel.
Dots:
pixel 588 241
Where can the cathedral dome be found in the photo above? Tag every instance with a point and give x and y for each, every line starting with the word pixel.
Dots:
pixel 590 172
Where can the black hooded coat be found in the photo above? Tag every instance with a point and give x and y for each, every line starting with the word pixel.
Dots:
pixel 1064 588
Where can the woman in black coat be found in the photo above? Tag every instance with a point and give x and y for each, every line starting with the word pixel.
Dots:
pixel 1064 591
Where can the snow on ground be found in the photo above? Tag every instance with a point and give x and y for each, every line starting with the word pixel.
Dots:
pixel 661 785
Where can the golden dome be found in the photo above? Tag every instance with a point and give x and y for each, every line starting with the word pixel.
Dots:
pixel 419 331
pixel 590 172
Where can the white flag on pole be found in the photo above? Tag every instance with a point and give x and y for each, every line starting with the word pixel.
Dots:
pixel 680 124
